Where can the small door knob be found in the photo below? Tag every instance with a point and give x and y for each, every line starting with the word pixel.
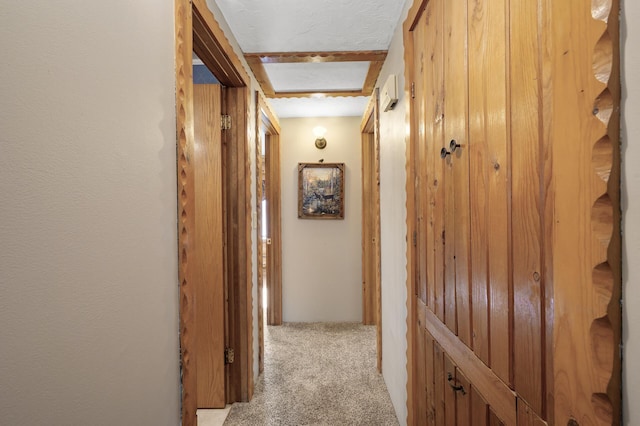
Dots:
pixel 444 153
pixel 453 145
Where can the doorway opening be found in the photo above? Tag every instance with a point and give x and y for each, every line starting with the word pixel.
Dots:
pixel 269 221
pixel 196 30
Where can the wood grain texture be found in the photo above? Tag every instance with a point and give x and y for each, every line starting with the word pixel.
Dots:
pixel 464 415
pixel 526 204
pixel 497 394
pixel 372 77
pixel 450 397
pixel 439 383
pixel 209 266
pixel 237 175
pixel 268 127
pixel 377 228
pixel 410 204
pixel 318 56
pixel 261 75
pixel 421 378
pixel 375 58
pixel 268 123
pixel 456 130
pixel 430 379
pixel 213 48
pixel 479 409
pixel 586 245
pixel 420 123
pixel 527 416
pixel 274 306
pixel 489 198
pixel 186 210
pixel 371 250
pixel 369 309
pixel 436 98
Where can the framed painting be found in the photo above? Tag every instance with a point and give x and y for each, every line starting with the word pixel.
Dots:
pixel 321 190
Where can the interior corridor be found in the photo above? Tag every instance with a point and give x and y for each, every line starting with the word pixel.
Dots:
pixel 316 374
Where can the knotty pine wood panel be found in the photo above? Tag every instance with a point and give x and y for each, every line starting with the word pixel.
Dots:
pixel 421 119
pixel 586 238
pixel 430 379
pixel 450 398
pixel 498 169
pixel 464 415
pixel 500 397
pixel 527 417
pixel 494 420
pixel 186 207
pixel 489 166
pixel 377 228
pixel 421 379
pixel 436 99
pixel 209 246
pixel 439 383
pixel 526 204
pixel 479 409
pixel 456 128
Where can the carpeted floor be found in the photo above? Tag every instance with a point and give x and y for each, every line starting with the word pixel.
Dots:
pixel 318 374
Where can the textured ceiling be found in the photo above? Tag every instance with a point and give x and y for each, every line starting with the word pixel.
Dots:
pixel 313 26
pixel 317 76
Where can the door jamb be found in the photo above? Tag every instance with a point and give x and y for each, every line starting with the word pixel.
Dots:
pixel 268 122
pixel 370 134
pixel 196 30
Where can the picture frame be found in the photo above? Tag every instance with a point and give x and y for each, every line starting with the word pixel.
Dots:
pixel 321 190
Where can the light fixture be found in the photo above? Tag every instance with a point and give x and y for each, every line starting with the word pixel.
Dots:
pixel 319 132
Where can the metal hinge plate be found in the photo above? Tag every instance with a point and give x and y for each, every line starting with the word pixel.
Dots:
pixel 226 122
pixel 413 90
pixel 229 355
pixel 415 238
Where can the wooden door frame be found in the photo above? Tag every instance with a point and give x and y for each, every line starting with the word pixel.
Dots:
pixel 370 137
pixel 267 122
pixel 196 30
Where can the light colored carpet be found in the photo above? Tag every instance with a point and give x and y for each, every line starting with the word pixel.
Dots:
pixel 318 374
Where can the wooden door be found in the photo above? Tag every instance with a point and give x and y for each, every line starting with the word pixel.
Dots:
pixel 274 233
pixel 465 265
pixel 371 256
pixel 491 211
pixel 209 257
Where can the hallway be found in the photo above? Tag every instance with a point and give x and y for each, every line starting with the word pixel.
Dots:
pixel 318 374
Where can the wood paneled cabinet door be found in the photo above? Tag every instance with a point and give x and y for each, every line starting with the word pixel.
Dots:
pixel 491 332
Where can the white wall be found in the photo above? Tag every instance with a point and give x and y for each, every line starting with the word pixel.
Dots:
pixel 630 39
pixel 321 259
pixel 88 264
pixel 393 230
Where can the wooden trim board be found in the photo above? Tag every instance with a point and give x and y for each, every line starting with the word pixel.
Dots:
pixel 256 62
pixel 197 30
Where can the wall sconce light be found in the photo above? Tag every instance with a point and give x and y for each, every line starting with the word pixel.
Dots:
pixel 319 132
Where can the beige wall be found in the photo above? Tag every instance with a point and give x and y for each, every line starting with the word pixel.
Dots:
pixel 321 259
pixel 393 230
pixel 88 268
pixel 630 39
